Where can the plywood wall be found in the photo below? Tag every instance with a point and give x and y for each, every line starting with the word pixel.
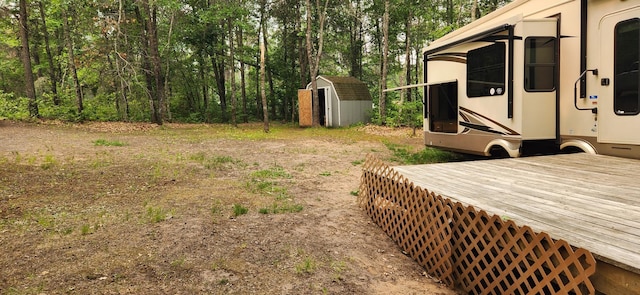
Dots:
pixel 305 108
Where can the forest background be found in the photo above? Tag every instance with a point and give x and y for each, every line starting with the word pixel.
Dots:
pixel 213 61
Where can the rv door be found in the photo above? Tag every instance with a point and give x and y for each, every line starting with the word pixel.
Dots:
pixel 540 76
pixel 619 87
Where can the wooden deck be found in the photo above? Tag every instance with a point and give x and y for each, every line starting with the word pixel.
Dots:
pixel 590 201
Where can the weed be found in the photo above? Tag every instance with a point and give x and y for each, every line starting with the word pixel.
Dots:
pixel 308 266
pixel 238 210
pixel 427 155
pixel 17 157
pixel 355 193
pixel 85 230
pixel 67 231
pixel 223 282
pixel 219 162
pixel 271 173
pixel 286 207
pixel 45 221
pixel 159 214
pixel 215 162
pixel 338 268
pixel 198 157
pixel 325 173
pixel 49 162
pixel 178 262
pixel 357 162
pixel 216 207
pixel 104 142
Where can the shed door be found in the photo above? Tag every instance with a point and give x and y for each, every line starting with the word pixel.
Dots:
pixel 619 87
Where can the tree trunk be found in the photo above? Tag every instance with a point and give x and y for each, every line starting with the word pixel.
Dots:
pixel 314 60
pixel 166 107
pixel 385 54
pixel 406 93
pixel 47 46
pixel 72 62
pixel 265 112
pixel 232 73
pixel 218 74
pixel 157 86
pixel 30 88
pixel 243 83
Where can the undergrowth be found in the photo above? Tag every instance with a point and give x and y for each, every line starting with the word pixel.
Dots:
pixel 405 155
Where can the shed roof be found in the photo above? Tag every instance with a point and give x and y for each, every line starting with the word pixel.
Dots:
pixel 348 88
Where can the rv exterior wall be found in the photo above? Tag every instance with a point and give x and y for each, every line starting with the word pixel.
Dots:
pixel 537 117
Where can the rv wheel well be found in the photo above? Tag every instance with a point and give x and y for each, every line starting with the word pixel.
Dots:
pixel 498 152
pixel 572 150
pixel 577 146
pixel 500 148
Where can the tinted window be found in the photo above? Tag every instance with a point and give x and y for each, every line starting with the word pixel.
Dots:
pixel 626 58
pixel 486 71
pixel 540 64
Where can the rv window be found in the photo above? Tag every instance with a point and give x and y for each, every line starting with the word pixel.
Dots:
pixel 486 71
pixel 626 59
pixel 540 64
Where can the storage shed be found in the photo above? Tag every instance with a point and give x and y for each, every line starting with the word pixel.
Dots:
pixel 343 101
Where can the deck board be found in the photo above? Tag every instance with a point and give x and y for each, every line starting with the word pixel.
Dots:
pixel 590 201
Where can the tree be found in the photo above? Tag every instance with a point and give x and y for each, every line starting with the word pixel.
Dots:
pixel 385 64
pixel 155 78
pixel 314 55
pixel 53 77
pixel 26 61
pixel 72 62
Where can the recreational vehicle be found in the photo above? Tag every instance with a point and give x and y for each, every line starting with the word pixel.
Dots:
pixel 538 75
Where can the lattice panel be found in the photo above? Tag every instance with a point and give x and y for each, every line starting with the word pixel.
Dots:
pixel 470 249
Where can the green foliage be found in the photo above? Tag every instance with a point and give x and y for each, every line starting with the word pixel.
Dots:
pixel 271 173
pixel 157 214
pixel 239 209
pixel 404 155
pixel 194 53
pixel 214 162
pixel 104 142
pixel 281 207
pixel 307 266
pixel 13 108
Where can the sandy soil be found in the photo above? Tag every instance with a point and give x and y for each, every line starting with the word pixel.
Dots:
pixel 81 215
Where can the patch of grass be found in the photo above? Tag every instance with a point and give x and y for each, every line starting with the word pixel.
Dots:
pixel 46 221
pixel 223 282
pixel 85 229
pixel 49 162
pixel 219 162
pixel 158 214
pixel 238 210
pixel 355 193
pixel 216 208
pixel 262 181
pixel 325 173
pixel 357 162
pixel 271 173
pixel 178 262
pixel 277 208
pixel 338 267
pixel 405 155
pixel 306 266
pixel 214 162
pixel 104 142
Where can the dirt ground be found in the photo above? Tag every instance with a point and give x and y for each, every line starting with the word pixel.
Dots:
pixel 116 208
